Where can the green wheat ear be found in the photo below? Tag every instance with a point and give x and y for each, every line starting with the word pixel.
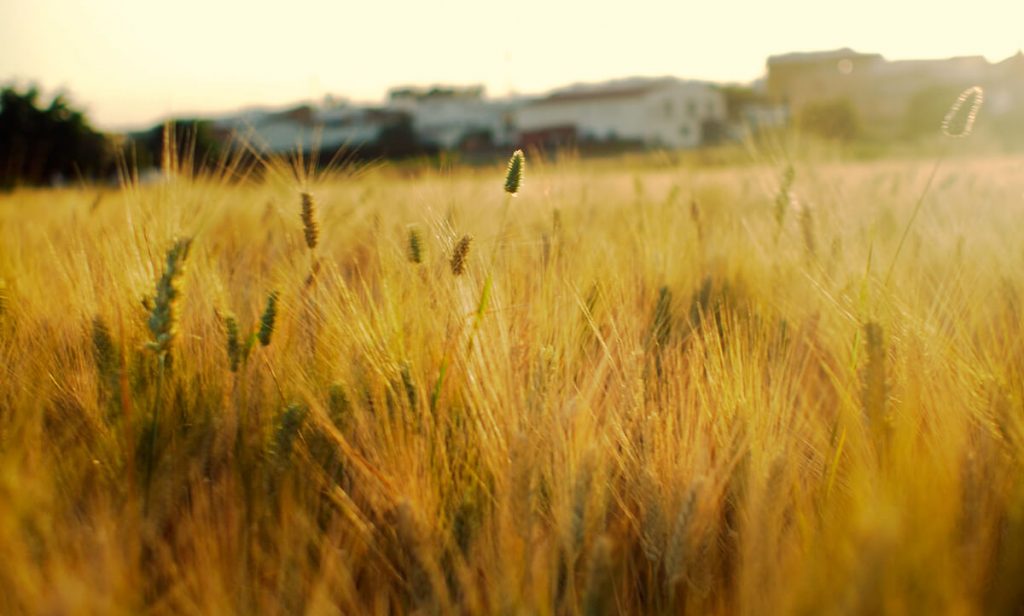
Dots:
pixel 415 246
pixel 163 320
pixel 514 175
pixel 875 387
pixel 268 318
pixel 234 344
pixel 783 199
pixel 287 428
pixel 599 595
pixel 104 353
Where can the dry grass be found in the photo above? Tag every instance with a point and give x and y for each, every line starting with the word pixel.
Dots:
pixel 670 390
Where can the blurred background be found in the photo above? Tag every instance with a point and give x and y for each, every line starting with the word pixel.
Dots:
pixel 86 85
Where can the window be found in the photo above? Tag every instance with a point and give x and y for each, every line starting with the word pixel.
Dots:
pixel 667 108
pixel 691 108
pixel 684 130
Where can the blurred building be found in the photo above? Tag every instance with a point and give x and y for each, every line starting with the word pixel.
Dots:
pixel 306 127
pixel 1005 92
pixel 662 112
pixel 641 112
pixel 455 118
pixel 891 98
pixel 798 79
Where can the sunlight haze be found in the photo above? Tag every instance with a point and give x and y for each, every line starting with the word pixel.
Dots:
pixel 132 64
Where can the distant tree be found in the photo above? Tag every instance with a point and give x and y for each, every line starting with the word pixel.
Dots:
pixel 738 98
pixel 1005 127
pixel 41 143
pixel 476 140
pixel 836 119
pixel 713 132
pixel 194 144
pixel 399 140
pixel 926 109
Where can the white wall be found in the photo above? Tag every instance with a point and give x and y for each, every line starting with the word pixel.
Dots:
pixel 445 121
pixel 286 136
pixel 667 115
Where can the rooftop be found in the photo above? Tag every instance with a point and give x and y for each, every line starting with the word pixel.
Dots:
pixel 619 88
pixel 844 53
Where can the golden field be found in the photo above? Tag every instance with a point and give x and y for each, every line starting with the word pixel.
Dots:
pixel 654 388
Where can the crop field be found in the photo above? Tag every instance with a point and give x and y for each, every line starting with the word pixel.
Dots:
pixel 632 386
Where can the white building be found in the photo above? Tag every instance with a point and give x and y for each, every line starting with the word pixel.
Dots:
pixel 307 127
pixel 447 117
pixel 662 112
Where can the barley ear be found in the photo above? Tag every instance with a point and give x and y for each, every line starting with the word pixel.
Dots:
pixel 783 199
pixel 104 353
pixel 268 318
pixel 163 319
pixel 807 229
pixel 963 128
pixel 661 326
pixel 415 246
pixel 599 598
pixel 514 175
pixel 458 261
pixel 696 218
pixel 287 427
pixel 310 227
pixel 876 391
pixel 234 344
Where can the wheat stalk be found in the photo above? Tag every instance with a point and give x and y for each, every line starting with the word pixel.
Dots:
pixel 513 182
pixel 968 126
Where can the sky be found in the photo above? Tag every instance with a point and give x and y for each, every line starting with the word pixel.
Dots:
pixel 132 63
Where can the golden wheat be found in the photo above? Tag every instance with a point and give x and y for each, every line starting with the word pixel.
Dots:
pixel 615 418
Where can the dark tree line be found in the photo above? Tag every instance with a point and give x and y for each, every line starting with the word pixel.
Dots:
pixel 195 144
pixel 44 142
pixel 47 142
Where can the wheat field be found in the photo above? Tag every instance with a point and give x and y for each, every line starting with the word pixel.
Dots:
pixel 635 387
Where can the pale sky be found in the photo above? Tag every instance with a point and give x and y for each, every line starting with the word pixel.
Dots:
pixel 132 63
